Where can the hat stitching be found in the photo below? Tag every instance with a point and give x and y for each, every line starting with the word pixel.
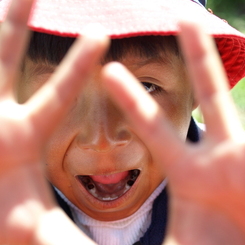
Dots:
pixel 227 48
pixel 238 74
pixel 242 68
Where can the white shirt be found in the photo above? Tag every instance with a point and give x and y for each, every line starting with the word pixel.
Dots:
pixel 125 231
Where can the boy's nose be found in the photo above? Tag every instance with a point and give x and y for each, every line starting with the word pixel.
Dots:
pixel 103 126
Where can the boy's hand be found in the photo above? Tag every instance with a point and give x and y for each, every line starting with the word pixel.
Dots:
pixel 207 180
pixel 27 210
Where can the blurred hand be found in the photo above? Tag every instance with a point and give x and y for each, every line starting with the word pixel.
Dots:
pixel 28 214
pixel 206 180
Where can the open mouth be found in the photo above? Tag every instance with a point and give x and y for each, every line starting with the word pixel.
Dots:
pixel 109 187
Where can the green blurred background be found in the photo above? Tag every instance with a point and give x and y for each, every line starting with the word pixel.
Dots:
pixel 231 10
pixel 234 12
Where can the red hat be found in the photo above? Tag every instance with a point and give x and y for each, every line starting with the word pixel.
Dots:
pixel 127 18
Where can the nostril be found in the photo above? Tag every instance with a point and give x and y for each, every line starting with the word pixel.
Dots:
pixel 123 137
pixel 102 140
pixel 102 144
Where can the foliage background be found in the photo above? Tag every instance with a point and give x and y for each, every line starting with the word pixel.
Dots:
pixel 231 10
pixel 234 12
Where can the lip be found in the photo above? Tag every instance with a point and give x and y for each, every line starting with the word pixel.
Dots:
pixel 112 203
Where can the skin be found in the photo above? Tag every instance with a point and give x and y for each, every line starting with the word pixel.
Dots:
pixel 206 181
pixel 30 212
pixel 96 139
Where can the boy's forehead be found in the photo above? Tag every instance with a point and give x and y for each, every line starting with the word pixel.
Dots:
pixel 33 69
pixel 134 60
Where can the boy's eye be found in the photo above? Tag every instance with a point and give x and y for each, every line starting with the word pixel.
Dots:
pixel 150 87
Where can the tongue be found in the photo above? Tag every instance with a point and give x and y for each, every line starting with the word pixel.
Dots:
pixel 110 178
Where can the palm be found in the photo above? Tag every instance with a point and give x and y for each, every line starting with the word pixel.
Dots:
pixel 208 196
pixel 27 207
pixel 206 180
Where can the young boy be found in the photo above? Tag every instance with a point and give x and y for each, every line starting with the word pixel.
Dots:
pixel 108 173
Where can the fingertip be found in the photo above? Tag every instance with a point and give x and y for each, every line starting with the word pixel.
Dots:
pixel 186 25
pixel 194 38
pixel 115 74
pixel 19 11
pixel 95 34
pixel 112 69
pixel 110 77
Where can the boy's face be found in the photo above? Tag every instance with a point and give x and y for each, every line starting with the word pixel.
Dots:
pixel 94 157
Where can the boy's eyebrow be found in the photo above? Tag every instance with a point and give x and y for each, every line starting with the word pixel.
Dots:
pixel 153 60
pixel 39 69
pixel 32 68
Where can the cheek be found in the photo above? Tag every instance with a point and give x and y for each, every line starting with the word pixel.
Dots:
pixel 178 108
pixel 56 150
pixel 53 159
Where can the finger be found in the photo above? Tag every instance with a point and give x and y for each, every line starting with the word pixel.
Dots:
pixel 144 114
pixel 210 83
pixel 54 99
pixel 66 232
pixel 13 38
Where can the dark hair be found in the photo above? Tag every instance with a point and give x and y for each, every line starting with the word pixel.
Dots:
pixel 50 48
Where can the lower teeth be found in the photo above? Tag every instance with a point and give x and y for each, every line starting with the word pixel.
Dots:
pixel 109 197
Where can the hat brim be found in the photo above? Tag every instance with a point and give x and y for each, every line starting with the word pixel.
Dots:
pixel 129 18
